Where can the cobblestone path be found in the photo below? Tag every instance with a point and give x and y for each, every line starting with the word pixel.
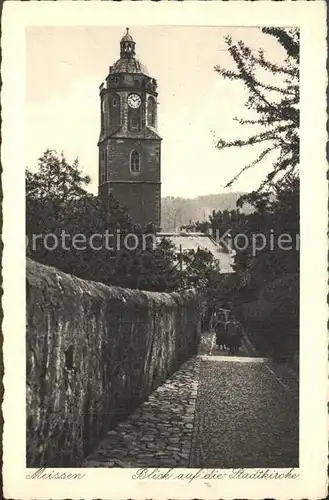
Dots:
pixel 252 420
pixel 159 432
pixel 216 411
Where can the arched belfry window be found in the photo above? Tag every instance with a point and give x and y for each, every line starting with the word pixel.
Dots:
pixel 151 111
pixel 135 161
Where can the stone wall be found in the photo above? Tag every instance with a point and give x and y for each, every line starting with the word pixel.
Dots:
pixel 94 353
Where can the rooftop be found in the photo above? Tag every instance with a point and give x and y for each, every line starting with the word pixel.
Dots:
pixel 195 241
pixel 127 37
pixel 128 63
pixel 131 65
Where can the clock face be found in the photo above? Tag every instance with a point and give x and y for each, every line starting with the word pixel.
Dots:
pixel 134 100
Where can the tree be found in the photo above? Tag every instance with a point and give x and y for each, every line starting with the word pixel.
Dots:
pixel 266 280
pixel 50 190
pixel 56 179
pixel 273 106
pixel 66 219
pixel 275 214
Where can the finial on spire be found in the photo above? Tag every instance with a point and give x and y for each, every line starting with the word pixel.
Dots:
pixel 127 31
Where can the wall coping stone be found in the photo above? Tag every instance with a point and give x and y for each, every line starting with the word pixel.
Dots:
pixel 42 277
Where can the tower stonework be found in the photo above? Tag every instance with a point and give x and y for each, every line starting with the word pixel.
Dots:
pixel 129 143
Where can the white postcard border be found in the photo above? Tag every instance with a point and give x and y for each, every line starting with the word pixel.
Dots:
pixel 118 483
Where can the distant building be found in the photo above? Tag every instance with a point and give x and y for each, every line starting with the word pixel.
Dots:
pixel 129 143
pixel 194 241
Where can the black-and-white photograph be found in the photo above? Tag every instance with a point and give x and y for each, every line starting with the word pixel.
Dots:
pixel 164 256
pixel 162 236
pixel 162 240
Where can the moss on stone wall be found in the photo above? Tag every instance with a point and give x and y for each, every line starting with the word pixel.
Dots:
pixel 94 353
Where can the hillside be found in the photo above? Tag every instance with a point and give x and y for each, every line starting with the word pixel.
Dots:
pixel 176 212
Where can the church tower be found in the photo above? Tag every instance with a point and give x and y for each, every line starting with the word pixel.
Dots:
pixel 129 143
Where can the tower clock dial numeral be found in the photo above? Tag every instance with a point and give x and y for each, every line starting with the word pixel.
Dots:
pixel 134 101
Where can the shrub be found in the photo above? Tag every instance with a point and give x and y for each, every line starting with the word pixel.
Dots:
pixel 275 315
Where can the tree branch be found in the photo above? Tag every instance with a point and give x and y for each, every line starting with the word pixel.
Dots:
pixel 265 136
pixel 252 164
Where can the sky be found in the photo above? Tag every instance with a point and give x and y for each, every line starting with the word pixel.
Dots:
pixel 66 65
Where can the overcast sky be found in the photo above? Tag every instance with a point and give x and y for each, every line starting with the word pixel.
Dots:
pixel 65 67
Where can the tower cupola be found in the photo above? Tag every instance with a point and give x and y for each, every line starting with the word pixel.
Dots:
pixel 127 45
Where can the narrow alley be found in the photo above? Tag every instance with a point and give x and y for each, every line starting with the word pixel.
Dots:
pixel 216 411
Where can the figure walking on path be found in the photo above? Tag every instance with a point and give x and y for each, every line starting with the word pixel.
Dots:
pixel 234 334
pixel 220 328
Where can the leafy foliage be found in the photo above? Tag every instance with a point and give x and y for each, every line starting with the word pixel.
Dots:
pixel 264 291
pixel 73 230
pixel 274 317
pixel 56 179
pixel 273 107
